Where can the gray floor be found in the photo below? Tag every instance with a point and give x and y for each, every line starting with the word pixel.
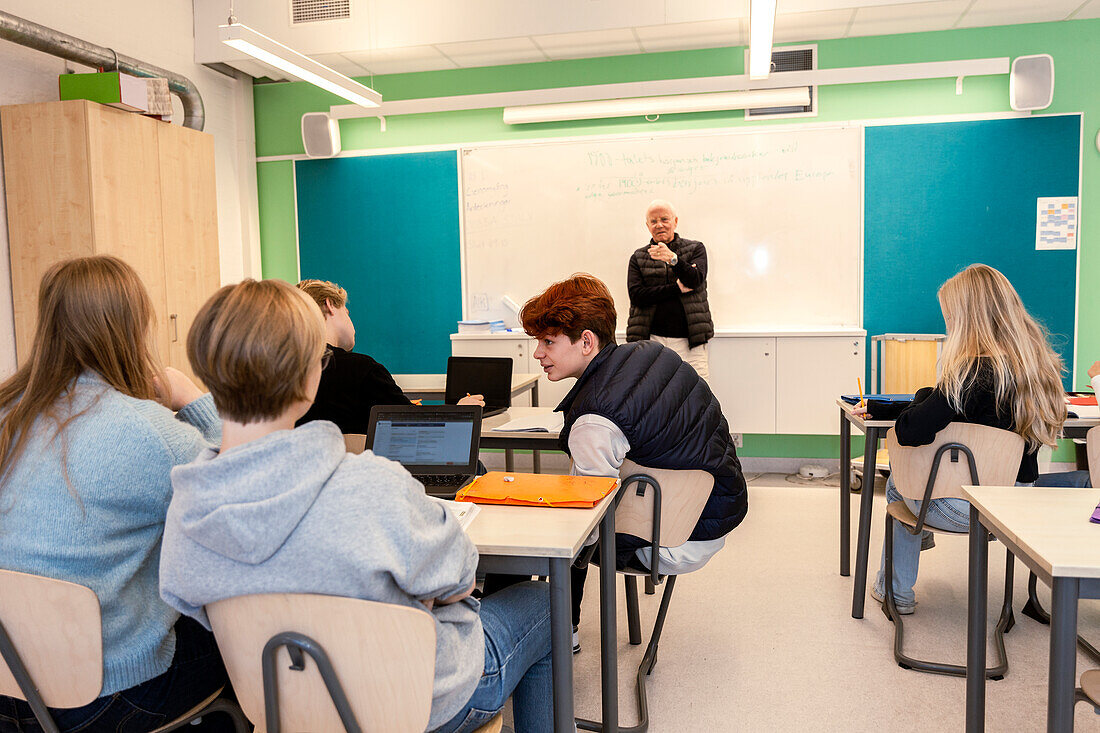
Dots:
pixel 762 638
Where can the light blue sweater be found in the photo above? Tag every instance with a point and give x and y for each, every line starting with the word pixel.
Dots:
pixel 293 512
pixel 119 455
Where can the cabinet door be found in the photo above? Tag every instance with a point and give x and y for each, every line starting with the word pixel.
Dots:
pixel 742 376
pixel 812 373
pixel 189 209
pixel 48 196
pixel 125 179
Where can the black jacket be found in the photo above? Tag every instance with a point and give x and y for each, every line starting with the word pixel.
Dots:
pixel 350 385
pixel 651 285
pixel 671 420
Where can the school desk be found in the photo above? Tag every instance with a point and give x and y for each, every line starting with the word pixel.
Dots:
pixel 434 386
pixel 532 441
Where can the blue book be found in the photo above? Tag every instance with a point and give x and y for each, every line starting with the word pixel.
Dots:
pixel 853 399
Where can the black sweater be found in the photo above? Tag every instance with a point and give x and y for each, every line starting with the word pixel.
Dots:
pixel 350 385
pixel 929 413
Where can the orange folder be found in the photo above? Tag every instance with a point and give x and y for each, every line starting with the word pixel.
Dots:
pixel 538 489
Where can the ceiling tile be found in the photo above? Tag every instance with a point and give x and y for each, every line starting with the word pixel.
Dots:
pixel 1009 12
pixel 400 60
pixel 703 34
pixel 791 27
pixel 588 44
pixel 340 63
pixel 492 53
pixel 907 18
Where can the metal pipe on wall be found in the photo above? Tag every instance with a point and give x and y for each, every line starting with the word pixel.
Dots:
pixel 47 40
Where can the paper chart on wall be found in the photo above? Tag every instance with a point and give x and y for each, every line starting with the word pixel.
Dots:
pixel 1056 222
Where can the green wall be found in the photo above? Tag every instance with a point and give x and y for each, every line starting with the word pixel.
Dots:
pixel 1075 46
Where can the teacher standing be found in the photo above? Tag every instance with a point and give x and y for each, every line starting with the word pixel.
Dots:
pixel 667 283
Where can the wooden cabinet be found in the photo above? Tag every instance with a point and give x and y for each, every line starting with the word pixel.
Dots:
pixel 84 179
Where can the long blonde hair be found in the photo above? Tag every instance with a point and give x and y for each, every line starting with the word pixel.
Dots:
pixel 986 318
pixel 93 314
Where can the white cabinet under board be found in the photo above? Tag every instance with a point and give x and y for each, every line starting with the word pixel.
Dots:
pixel 784 382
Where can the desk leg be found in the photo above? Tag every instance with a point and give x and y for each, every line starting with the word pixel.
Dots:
pixel 609 662
pixel 561 645
pixel 535 394
pixel 1063 654
pixel 859 583
pixel 536 455
pixel 509 460
pixel 976 624
pixel 845 494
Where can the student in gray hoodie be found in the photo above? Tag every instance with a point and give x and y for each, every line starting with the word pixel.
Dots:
pixel 284 509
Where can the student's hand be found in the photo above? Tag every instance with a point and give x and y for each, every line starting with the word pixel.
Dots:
pixel 178 391
pixel 683 288
pixel 862 412
pixel 429 604
pixel 660 251
pixel 1094 369
pixel 472 399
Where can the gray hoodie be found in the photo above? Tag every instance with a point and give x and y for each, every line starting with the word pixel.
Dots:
pixel 293 512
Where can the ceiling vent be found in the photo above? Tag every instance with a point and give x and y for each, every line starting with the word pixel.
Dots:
pixel 785 59
pixel 312 11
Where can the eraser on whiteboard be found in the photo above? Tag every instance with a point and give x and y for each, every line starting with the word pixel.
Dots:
pixel 510 304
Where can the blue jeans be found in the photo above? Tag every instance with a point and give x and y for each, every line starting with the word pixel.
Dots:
pixel 517 662
pixel 1067 480
pixel 196 673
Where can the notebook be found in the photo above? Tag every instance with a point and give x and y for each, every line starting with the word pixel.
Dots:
pixel 538 489
pixel 438 445
pixel 490 376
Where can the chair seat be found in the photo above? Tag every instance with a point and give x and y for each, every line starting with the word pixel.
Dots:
pixel 493 726
pixel 900 511
pixel 1090 685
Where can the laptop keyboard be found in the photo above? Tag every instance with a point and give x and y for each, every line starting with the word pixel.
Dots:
pixel 442 479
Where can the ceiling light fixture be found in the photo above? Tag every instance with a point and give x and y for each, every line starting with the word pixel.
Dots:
pixel 671 104
pixel 271 52
pixel 761 29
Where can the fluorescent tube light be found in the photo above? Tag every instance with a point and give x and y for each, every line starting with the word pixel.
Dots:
pixel 761 27
pixel 271 52
pixel 673 104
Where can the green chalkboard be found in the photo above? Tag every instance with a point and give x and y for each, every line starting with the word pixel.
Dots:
pixel 386 228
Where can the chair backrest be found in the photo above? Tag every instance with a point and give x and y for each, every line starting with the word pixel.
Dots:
pixel 683 496
pixel 355 442
pixel 55 627
pixel 383 655
pixel 1092 449
pixel 997 455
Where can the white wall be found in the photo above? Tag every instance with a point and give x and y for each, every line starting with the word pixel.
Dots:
pixel 158 33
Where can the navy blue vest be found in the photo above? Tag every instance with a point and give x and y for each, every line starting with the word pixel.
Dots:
pixel 671 419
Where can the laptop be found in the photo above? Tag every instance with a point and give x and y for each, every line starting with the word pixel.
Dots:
pixel 437 444
pixel 490 376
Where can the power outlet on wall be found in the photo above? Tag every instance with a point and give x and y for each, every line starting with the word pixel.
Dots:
pixel 738 440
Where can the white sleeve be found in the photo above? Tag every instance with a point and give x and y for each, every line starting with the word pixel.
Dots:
pixel 597 445
pixel 1096 384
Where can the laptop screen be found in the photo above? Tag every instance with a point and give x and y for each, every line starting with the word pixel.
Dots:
pixel 441 439
pixel 490 376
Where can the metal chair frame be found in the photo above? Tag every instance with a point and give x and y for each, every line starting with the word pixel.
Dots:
pixel 1004 623
pixel 297 646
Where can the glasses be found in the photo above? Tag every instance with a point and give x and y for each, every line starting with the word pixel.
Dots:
pixel 326 357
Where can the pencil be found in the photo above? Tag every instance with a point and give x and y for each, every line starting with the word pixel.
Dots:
pixel 859 383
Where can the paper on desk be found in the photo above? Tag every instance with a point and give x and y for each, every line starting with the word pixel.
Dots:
pixel 551 422
pixel 463 512
pixel 1085 411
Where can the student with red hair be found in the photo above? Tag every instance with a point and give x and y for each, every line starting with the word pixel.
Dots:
pixel 640 401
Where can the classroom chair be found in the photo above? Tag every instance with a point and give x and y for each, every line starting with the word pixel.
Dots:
pixel 372 668
pixel 990 456
pixel 1089 691
pixel 661 506
pixel 1033 607
pixel 51 641
pixel 355 442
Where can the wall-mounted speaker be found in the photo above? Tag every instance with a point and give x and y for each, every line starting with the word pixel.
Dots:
pixel 320 135
pixel 1031 82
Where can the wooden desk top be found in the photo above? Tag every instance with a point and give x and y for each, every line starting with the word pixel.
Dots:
pixel 425 383
pixel 1090 417
pixel 532 531
pixel 1051 525
pixel 512 413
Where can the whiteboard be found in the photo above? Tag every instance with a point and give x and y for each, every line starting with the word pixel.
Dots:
pixel 779 212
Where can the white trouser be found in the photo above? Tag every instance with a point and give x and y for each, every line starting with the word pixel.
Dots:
pixel 697 357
